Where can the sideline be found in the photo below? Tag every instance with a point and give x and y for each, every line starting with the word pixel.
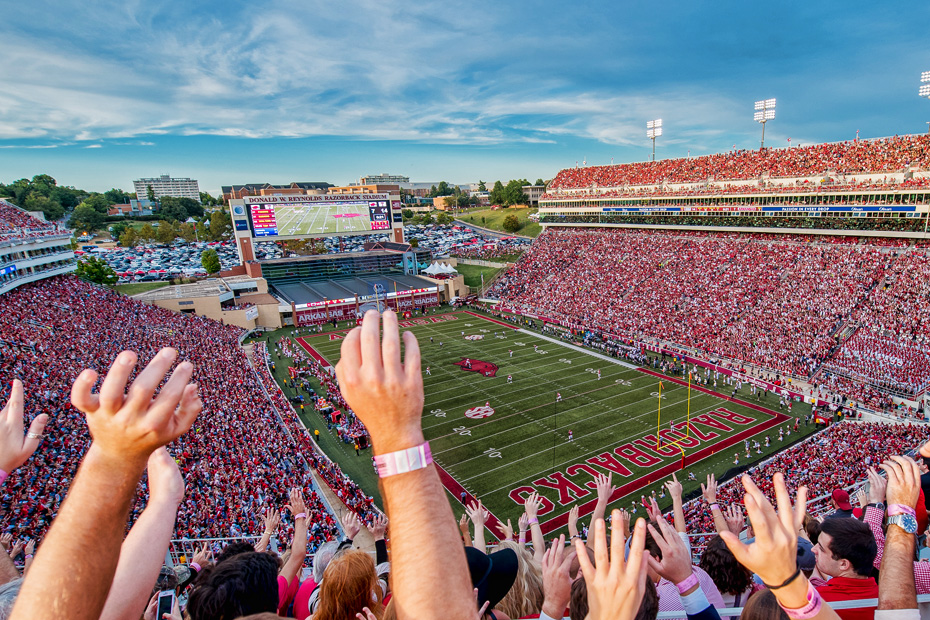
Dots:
pixel 578 347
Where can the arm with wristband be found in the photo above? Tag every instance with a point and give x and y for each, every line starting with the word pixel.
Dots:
pixel 773 553
pixel 15 449
pixel 605 489
pixel 532 505
pixel 897 588
pixel 479 516
pixel 428 568
pixel 675 490
pixel 272 520
pixel 298 509
pixel 709 492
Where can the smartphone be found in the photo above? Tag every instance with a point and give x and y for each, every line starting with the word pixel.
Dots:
pixel 165 604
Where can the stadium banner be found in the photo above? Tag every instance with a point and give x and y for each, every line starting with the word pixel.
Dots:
pixel 843 209
pixel 261 200
pixel 251 313
pixel 324 314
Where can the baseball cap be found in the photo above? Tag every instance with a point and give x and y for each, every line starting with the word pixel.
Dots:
pixel 841 498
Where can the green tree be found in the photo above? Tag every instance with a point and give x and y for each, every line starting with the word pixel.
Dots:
pixel 150 193
pixel 129 238
pixel 96 270
pixel 166 232
pixel 207 199
pixel 51 209
pixel 497 193
pixel 98 202
pixel 443 189
pixel 539 182
pixel 511 224
pixel 449 202
pixel 117 229
pixel 407 213
pixel 85 219
pixel 186 231
pixel 462 200
pixel 170 209
pixel 117 196
pixel 427 219
pixel 220 225
pixel 481 186
pixel 414 243
pixel 210 261
pixel 147 233
pixel 444 218
pixel 513 193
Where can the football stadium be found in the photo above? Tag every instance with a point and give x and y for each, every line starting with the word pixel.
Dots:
pixel 676 325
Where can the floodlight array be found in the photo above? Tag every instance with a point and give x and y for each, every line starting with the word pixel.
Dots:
pixel 925 76
pixel 924 90
pixel 654 128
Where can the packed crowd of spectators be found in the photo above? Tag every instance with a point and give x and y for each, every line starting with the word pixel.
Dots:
pixel 840 158
pixel 237 461
pixel 893 224
pixel 785 564
pixel 17 224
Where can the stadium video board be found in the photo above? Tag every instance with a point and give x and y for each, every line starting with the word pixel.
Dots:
pixel 298 216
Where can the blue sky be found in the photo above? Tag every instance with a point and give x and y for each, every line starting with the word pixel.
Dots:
pixel 100 93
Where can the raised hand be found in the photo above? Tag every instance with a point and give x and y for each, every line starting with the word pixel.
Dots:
pixel 6 540
pixel 615 587
pixel 129 426
pixel 557 578
pixel 17 549
pixel 272 520
pixel 877 486
pixel 387 395
pixel 14 447
pixel 296 504
pixel 625 522
pixel 573 521
pixel 903 481
pixel 378 526
pixel 477 513
pixel 709 491
pixel 523 523
pixel 773 554
pixel 733 515
pixel 166 484
pixel 464 529
pixel 605 488
pixel 675 564
pixel 674 487
pixel 203 556
pixel 30 547
pixel 531 505
pixel 351 524
pixel 505 530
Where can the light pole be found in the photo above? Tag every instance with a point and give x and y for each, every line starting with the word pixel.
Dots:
pixel 924 90
pixel 653 131
pixel 765 111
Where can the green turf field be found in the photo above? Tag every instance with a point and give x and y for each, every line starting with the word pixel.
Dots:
pixel 499 441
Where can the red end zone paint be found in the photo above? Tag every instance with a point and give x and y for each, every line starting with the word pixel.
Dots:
pixel 456 489
pixel 514 327
pixel 690 459
pixel 313 353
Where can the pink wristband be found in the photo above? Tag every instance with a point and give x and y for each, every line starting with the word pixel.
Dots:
pixel 901 509
pixel 814 603
pixel 714 505
pixel 300 515
pixel 687 584
pixel 3 476
pixel 533 521
pixel 522 538
pixel 196 566
pixel 403 461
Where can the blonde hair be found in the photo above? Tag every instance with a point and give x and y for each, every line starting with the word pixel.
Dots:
pixel 349 584
pixel 525 598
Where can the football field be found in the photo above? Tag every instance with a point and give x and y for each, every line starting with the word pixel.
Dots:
pixel 322 219
pixel 558 423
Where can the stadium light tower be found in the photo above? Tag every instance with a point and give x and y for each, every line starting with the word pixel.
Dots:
pixel 925 87
pixel 765 111
pixel 653 131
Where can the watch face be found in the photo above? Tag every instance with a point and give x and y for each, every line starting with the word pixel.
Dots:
pixel 909 524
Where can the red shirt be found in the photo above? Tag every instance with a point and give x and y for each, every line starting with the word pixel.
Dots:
pixel 850 589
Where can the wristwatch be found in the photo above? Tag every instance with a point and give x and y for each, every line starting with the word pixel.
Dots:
pixel 879 505
pixel 905 521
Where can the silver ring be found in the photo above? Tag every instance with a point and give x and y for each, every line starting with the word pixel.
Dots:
pixel 35 435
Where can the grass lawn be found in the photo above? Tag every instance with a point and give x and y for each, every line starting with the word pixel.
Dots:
pixel 499 441
pixel 495 220
pixel 139 287
pixel 473 273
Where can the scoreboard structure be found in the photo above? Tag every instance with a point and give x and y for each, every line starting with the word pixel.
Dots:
pixel 273 218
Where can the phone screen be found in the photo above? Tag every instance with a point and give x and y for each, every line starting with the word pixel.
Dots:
pixel 165 604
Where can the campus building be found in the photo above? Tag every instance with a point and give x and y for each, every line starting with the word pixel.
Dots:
pixel 167 186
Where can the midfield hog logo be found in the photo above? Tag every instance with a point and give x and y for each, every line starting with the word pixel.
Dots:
pixel 485 368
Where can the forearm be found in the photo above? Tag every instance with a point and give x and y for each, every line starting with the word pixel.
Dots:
pixel 679 513
pixel 263 542
pixel 298 551
pixel 720 524
pixel 794 596
pixel 479 542
pixel 140 559
pixel 91 521
pixel 896 589
pixel 8 570
pixel 432 581
pixel 539 541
